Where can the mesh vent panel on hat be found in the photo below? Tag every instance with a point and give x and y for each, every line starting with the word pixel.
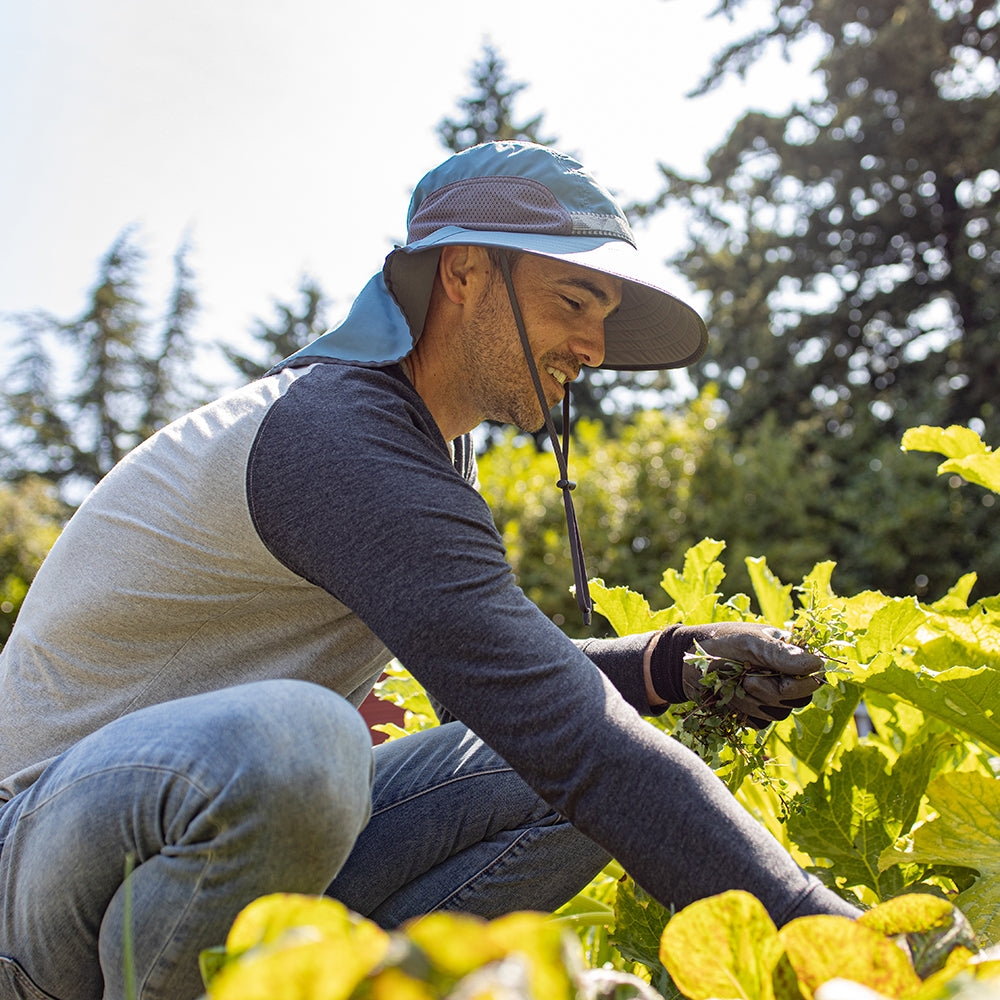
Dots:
pixel 493 204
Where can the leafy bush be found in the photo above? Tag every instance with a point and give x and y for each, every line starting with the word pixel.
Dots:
pixel 666 480
pixel 31 517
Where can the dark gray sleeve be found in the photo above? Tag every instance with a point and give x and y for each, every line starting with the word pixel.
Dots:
pixel 351 486
pixel 620 660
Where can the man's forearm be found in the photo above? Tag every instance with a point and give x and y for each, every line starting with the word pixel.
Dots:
pixel 625 662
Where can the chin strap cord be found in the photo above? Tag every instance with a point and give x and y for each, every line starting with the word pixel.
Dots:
pixel 565 484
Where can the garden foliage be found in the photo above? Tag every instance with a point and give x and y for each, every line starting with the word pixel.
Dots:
pixel 666 480
pixel 903 820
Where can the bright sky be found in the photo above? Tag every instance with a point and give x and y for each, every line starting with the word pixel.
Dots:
pixel 285 136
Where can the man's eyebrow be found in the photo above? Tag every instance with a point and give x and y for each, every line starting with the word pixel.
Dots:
pixel 588 286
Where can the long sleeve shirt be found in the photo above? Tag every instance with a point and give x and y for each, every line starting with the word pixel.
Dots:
pixel 311 525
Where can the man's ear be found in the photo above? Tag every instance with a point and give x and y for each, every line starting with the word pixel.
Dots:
pixel 460 269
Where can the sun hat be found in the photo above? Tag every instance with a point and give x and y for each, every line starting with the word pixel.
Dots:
pixel 526 197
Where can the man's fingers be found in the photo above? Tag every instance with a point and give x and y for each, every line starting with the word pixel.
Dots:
pixel 780 689
pixel 797 702
pixel 764 648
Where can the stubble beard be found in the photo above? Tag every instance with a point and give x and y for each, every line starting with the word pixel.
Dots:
pixel 496 366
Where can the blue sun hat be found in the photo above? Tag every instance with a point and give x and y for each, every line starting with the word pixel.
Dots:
pixel 519 196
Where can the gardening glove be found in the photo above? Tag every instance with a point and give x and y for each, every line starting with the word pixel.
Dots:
pixel 780 677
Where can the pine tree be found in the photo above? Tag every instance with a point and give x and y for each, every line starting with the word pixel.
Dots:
pixel 82 392
pixel 170 381
pixel 296 325
pixel 488 111
pixel 851 247
pixel 489 115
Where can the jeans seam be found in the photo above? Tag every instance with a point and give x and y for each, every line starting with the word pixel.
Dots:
pixel 23 979
pixel 507 854
pixel 443 784
pixel 169 938
pixel 106 771
pixel 130 768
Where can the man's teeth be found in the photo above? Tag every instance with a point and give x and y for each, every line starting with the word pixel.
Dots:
pixel 559 376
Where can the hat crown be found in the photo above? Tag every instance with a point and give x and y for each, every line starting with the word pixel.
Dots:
pixel 515 187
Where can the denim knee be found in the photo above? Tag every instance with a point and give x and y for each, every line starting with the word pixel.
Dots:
pixel 302 755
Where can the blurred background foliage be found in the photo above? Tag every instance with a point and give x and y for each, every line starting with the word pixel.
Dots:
pixel 846 256
pixel 647 494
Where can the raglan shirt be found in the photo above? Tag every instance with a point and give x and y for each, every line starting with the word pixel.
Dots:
pixel 311 525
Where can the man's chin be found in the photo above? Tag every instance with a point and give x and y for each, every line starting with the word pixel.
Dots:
pixel 530 425
pixel 525 417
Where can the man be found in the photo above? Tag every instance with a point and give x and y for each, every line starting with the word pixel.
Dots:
pixel 180 687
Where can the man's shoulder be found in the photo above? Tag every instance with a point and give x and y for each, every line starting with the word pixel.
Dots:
pixel 333 405
pixel 340 412
pixel 335 384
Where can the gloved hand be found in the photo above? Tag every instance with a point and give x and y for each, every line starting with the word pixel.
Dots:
pixel 781 676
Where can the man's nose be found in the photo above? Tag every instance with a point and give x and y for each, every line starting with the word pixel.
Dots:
pixel 588 343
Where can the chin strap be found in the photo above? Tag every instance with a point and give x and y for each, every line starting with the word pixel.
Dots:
pixel 561 452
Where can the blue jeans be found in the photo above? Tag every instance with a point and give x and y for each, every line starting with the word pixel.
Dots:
pixel 266 787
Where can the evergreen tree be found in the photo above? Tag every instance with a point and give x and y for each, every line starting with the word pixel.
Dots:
pixel 851 247
pixel 488 112
pixel 295 326
pixel 170 384
pixel 83 392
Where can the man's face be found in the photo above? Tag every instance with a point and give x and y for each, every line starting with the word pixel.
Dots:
pixel 564 307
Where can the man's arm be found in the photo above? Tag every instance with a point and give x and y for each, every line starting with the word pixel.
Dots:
pixel 625 662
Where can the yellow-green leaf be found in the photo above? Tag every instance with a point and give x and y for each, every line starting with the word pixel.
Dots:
pixel 638 925
pixel 543 944
pixel 966 454
pixel 455 943
pixel 774 598
pixel 966 832
pixel 957 598
pixel 935 931
pixel 890 626
pixel 725 946
pixel 627 611
pixel 323 969
pixel 394 984
pixel 822 947
pixel 268 917
pixel 966 699
pixel 858 610
pixel 694 590
pixel 983 470
pixel 953 442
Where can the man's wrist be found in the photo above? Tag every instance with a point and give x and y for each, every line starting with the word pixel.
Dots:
pixel 655 701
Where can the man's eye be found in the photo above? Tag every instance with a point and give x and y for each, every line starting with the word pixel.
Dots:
pixel 572 303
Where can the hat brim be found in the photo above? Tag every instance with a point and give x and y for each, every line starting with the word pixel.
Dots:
pixel 652 329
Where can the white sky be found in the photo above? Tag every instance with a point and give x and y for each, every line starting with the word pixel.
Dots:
pixel 284 136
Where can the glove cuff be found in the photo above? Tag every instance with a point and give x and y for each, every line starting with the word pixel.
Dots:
pixel 666 665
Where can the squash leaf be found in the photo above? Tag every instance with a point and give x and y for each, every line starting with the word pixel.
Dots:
pixel 823 947
pixel 627 612
pixel 966 832
pixel 723 946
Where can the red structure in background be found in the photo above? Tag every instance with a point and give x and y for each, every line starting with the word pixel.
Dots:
pixel 377 712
